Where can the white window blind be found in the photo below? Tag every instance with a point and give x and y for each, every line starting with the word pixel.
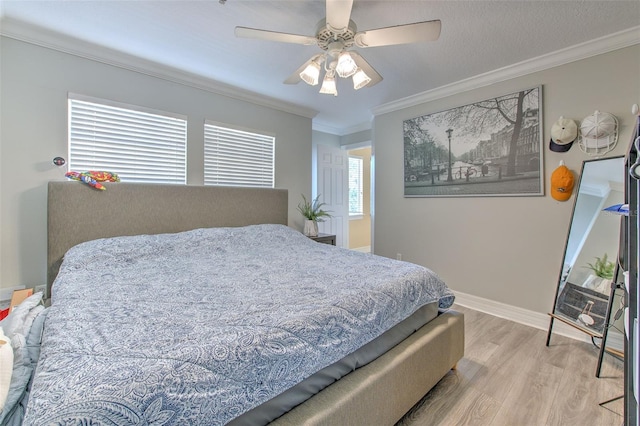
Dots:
pixel 355 185
pixel 138 145
pixel 237 158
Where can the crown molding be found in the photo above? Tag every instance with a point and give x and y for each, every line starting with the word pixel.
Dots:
pixel 357 145
pixel 325 128
pixel 564 56
pixel 28 33
pixel 21 31
pixel 367 125
pixel 338 131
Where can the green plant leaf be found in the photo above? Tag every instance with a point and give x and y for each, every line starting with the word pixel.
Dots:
pixel 313 210
pixel 602 267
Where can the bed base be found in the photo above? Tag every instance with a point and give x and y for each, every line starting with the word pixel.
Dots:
pixel 381 392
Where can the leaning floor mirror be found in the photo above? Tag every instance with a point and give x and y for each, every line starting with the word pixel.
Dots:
pixel 586 295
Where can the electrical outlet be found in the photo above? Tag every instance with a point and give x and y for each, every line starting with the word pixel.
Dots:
pixel 399 256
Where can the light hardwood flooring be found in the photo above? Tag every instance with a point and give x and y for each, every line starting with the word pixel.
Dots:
pixel 509 377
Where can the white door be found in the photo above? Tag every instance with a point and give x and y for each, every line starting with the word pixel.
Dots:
pixel 332 185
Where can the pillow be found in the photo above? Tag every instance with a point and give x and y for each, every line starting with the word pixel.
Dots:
pixel 17 321
pixel 34 338
pixel 15 405
pixel 25 322
pixel 6 367
pixel 20 353
pixel 28 319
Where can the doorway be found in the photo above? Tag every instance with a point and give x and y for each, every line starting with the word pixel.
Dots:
pixel 359 191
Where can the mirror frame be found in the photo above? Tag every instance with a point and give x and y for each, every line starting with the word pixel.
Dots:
pixel 618 259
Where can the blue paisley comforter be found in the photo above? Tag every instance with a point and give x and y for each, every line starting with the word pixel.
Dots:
pixel 201 326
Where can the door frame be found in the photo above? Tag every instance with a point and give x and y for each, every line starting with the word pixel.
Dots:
pixel 359 145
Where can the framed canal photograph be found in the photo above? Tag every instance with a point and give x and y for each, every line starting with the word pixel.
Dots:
pixel 488 148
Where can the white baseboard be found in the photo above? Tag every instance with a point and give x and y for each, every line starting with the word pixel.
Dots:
pixel 365 249
pixel 531 319
pixel 519 315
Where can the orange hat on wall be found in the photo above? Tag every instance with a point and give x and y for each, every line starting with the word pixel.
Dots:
pixel 562 182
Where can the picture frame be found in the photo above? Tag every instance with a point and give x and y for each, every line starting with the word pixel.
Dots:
pixel 492 147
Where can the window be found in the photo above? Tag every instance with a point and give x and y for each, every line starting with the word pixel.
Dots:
pixel 355 186
pixel 237 157
pixel 137 144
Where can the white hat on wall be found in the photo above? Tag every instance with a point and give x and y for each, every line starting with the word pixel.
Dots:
pixel 563 133
pixel 598 133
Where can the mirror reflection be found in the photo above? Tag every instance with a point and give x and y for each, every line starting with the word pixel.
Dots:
pixel 591 253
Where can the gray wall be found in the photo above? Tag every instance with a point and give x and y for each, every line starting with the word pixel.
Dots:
pixel 507 249
pixel 357 138
pixel 33 121
pixel 322 138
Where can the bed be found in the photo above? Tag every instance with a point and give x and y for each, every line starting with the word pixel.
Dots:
pixel 139 331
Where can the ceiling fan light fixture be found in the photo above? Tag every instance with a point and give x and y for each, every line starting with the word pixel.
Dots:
pixel 360 79
pixel 311 73
pixel 329 86
pixel 346 65
pixel 338 36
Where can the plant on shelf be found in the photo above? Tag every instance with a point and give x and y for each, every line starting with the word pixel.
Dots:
pixel 313 213
pixel 602 267
pixel 603 270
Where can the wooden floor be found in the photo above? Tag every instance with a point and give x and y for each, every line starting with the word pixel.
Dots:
pixel 509 377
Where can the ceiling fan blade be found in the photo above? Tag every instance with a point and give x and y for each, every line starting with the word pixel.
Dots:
pixel 368 69
pixel 295 77
pixel 274 36
pixel 401 34
pixel 338 13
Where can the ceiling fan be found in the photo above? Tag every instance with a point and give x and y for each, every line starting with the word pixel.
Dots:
pixel 337 34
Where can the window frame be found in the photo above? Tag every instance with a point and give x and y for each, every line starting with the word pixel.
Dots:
pixel 264 142
pixel 174 156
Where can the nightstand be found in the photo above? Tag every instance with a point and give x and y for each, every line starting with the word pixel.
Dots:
pixel 325 239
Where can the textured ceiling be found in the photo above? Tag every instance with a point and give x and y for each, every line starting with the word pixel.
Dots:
pixel 198 37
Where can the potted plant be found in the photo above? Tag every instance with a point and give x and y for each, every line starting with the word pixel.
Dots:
pixel 313 213
pixel 603 269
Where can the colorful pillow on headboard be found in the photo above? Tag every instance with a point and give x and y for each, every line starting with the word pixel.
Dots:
pixel 93 178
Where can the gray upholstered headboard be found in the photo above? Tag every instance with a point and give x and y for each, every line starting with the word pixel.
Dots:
pixel 77 213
